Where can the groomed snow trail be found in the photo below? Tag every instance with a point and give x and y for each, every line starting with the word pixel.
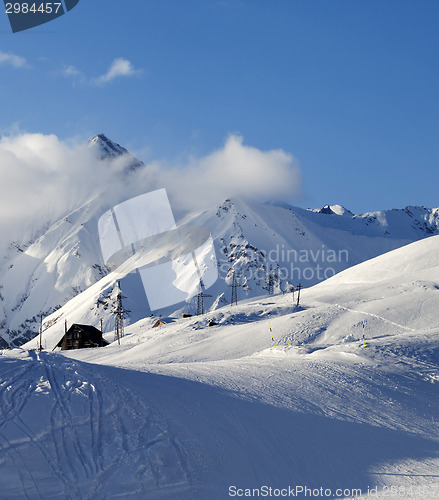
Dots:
pixel 72 430
pixel 69 432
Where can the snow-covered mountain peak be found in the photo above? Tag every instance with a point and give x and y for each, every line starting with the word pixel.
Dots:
pixel 332 210
pixel 341 210
pixel 232 206
pixel 106 149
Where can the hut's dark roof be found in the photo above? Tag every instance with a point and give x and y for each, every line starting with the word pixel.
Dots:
pixel 86 328
pixel 90 332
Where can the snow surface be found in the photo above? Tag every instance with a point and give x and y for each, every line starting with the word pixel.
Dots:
pixel 185 410
pixel 63 261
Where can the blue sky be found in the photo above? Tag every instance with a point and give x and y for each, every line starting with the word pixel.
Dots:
pixel 349 87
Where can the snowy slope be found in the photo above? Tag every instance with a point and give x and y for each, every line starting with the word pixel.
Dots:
pixel 47 273
pixel 63 260
pixel 301 246
pixel 397 292
pixel 192 409
pixel 249 236
pixel 253 238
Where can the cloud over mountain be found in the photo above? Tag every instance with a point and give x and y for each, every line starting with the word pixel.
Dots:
pixel 44 178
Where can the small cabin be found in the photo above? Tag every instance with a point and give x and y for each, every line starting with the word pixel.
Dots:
pixel 81 337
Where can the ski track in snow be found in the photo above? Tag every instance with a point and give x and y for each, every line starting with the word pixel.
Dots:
pixel 101 439
pixel 375 316
pixel 91 431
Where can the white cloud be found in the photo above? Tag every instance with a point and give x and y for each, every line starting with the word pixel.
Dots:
pixel 12 60
pixel 233 170
pixel 74 73
pixel 44 178
pixel 119 68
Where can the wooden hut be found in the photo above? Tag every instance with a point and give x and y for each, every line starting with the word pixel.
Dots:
pixel 81 337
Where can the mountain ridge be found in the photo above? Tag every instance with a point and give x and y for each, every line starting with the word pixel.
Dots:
pixel 258 240
pixel 249 237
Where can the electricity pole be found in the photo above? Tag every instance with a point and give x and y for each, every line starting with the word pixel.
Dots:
pixel 41 333
pixel 200 298
pixel 234 285
pixel 119 313
pixel 298 294
pixel 270 282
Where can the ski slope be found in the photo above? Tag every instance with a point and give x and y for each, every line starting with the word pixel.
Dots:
pixel 186 411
